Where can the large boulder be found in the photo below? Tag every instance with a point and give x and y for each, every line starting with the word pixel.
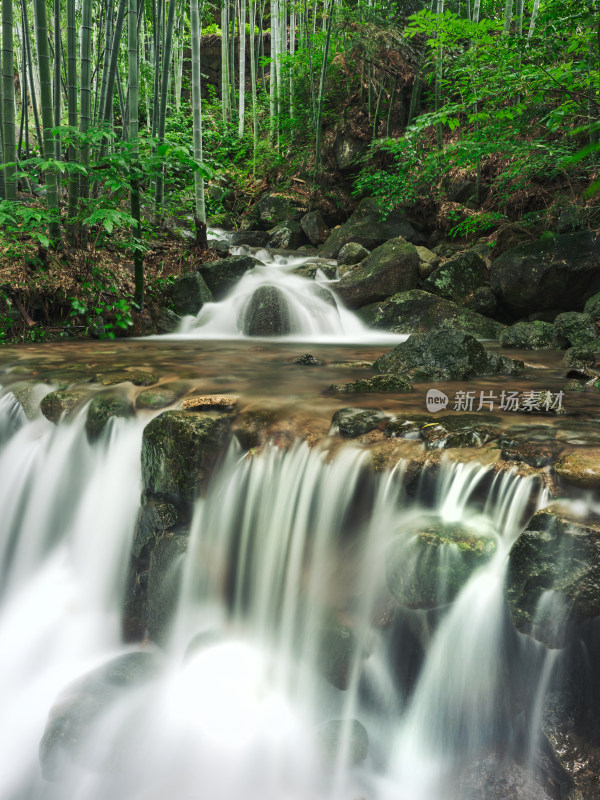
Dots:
pixel 536 335
pixel 555 272
pixel 459 277
pixel 221 275
pixel 417 311
pixel 179 451
pixel 189 293
pixel 592 306
pixel 249 238
pixel 267 313
pixel 427 566
pixel 366 227
pixel 315 227
pixel 444 355
pixel 393 267
pixel 288 235
pixel 351 254
pixel 553 580
pixel 579 329
pixel 272 209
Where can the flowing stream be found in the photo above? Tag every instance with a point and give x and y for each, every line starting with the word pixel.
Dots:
pixel 284 673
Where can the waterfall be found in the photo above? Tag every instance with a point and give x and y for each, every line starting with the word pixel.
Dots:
pixel 289 670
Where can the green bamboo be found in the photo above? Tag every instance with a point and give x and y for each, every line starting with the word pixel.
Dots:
pixel 322 93
pixel 162 118
pixel 72 110
pixel 86 99
pixel 107 114
pixel 45 73
pixel 200 210
pixel 34 105
pixel 57 76
pixel 8 100
pixel 108 38
pixel 133 113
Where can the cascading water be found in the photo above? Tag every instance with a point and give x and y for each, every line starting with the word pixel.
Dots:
pixel 285 673
pixel 303 309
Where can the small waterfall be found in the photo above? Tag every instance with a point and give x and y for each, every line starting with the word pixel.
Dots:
pixel 303 310
pixel 290 671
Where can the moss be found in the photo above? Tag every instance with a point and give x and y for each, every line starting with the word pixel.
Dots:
pixel 103 407
pixel 55 404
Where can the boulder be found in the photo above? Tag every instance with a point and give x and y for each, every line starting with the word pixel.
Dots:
pixel 160 396
pixel 592 306
pixel 179 451
pixel 315 227
pixel 378 384
pixel 461 191
pixel 391 268
pixel 309 270
pixel 483 301
pixel 272 209
pixel 428 565
pixel 366 227
pixel 459 430
pixel 249 238
pixel 459 277
pixel 221 275
pixel 530 336
pixel 578 329
pixel 189 293
pixel 346 150
pixel 443 355
pixel 267 313
pixel 58 404
pixel 351 253
pixel 553 580
pixel 585 358
pixel 509 236
pixel 581 469
pixel 103 407
pixel 555 272
pixel 353 422
pixel 417 311
pixel 428 261
pixel 286 236
pixel 167 321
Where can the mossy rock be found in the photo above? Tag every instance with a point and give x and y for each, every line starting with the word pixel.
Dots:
pixel 179 451
pixel 378 384
pixel 581 469
pixel 189 293
pixel 428 566
pixel 104 407
pixel 57 404
pixel 459 277
pixel 577 329
pixel 220 276
pixel 161 396
pixel 460 430
pixel 536 335
pixel 353 422
pixel 138 378
pixel 267 313
pixel 250 427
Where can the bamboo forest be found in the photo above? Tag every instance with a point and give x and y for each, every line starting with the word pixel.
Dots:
pixel 300 400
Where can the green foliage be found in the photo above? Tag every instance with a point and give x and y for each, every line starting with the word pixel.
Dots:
pixel 106 315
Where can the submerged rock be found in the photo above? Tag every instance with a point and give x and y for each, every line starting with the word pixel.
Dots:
pixel 376 384
pixel 348 734
pixel 179 451
pixel 353 422
pixel 189 293
pixel 554 272
pixel 427 566
pixel 418 312
pixel 461 430
pixel 103 407
pixel 220 276
pixel 443 355
pixel 391 268
pixel 267 313
pixel 160 396
pixel 553 579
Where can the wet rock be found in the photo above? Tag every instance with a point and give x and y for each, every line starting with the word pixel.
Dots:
pixel 336 648
pixel 535 454
pixel 555 272
pixel 156 518
pixel 581 469
pixel 578 329
pixel 287 236
pixel 315 227
pixel 461 430
pixel 210 402
pixel 104 407
pixel 138 378
pixel 427 566
pixel 221 275
pixel 391 268
pixel 459 277
pixel 267 313
pixel 530 336
pixel 159 397
pixel 483 301
pixel 165 576
pixel 70 727
pixel 586 358
pixel 353 422
pixel 498 778
pixel 417 312
pixel 272 209
pixel 307 360
pixel 592 306
pixel 338 733
pixel 189 293
pixel 406 428
pixel 57 404
pixel 249 238
pixel 310 270
pixel 167 321
pixel 179 451
pixel 250 427
pixel 395 384
pixel 351 253
pixel 442 355
pixel 366 227
pixel 576 433
pixel 553 580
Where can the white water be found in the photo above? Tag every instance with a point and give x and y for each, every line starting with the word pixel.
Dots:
pixel 281 544
pixel 312 318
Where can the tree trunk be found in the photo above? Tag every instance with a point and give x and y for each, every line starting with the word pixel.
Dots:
pixel 166 63
pixel 132 130
pixel 86 100
pixel 321 95
pixel 242 91
pixel 10 154
pixel 199 207
pixel 72 107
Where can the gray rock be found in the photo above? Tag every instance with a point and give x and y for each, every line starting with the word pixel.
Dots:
pixel 189 293
pixel 483 301
pixel 221 275
pixel 267 313
pixel 167 321
pixel 287 235
pixel 351 253
pixel 315 227
pixel 272 209
pixel 391 268
pixel 250 238
pixel 428 261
